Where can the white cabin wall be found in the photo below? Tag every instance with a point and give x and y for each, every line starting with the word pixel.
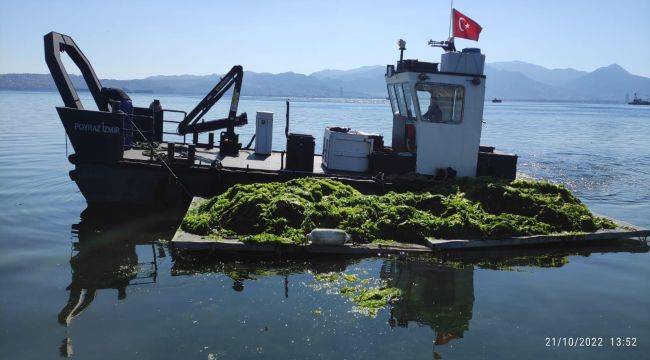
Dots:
pixel 441 145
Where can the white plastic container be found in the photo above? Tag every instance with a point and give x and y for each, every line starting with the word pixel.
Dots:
pixel 264 133
pixel 347 151
pixel 328 237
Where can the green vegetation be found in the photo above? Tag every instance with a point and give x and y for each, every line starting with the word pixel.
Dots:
pixel 369 297
pixel 503 261
pixel 336 277
pixel 283 213
pixel 373 299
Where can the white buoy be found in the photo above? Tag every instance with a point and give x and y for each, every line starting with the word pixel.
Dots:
pixel 328 237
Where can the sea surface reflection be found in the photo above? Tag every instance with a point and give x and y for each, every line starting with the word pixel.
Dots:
pixel 118 253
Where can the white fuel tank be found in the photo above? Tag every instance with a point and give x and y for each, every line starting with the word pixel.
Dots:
pixel 469 61
pixel 264 133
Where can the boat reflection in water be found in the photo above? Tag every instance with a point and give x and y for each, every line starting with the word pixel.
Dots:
pixel 105 258
pixel 242 269
pixel 441 297
pixel 113 253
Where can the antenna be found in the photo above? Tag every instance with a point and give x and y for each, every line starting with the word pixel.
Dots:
pixel 446 45
pixel 451 17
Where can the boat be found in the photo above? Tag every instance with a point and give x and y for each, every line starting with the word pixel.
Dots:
pixel 122 154
pixel 497 100
pixel 638 101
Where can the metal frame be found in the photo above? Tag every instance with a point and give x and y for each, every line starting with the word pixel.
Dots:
pixel 55 44
pixel 191 122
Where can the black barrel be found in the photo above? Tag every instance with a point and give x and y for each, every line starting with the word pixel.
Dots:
pixel 300 152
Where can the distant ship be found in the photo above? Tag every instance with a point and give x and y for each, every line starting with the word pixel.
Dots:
pixel 497 100
pixel 639 101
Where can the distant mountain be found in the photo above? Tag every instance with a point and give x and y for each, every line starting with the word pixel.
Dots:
pixel 610 83
pixel 553 77
pixel 358 73
pixel 255 84
pixel 515 85
pixel 368 80
pixel 513 80
pixel 38 82
pixel 285 84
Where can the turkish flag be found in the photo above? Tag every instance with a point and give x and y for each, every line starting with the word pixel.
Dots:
pixel 465 27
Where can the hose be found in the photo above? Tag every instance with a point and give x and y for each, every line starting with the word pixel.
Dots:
pixel 250 142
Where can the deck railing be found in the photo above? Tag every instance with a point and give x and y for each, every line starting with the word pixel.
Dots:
pixel 174 122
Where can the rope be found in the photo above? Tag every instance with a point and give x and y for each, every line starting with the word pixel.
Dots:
pixel 153 151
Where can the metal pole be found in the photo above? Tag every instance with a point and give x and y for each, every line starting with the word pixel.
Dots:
pixel 451 16
pixel 170 152
pixel 286 126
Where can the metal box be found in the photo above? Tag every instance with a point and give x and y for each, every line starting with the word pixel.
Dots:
pixel 347 150
pixel 497 164
pixel 264 133
pixel 300 152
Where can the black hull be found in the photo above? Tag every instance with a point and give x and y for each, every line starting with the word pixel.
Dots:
pixel 150 184
pixel 147 183
pixel 141 184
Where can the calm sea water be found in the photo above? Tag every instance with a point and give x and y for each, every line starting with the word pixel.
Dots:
pixel 105 285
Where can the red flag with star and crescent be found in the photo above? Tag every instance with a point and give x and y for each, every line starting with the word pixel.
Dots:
pixel 465 27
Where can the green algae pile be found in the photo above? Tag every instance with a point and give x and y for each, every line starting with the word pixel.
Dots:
pixel 284 212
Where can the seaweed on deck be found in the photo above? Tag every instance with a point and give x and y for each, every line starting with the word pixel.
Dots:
pixel 284 212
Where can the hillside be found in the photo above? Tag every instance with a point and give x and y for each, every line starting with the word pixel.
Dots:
pixel 610 83
pixel 515 85
pixel 553 77
pixel 514 80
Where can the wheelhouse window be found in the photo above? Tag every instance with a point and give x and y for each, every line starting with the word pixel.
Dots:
pixel 393 99
pixel 408 99
pixel 441 103
pixel 400 99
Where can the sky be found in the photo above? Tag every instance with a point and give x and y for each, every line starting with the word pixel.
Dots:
pixel 136 39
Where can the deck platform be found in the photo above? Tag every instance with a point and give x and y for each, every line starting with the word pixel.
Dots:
pixel 246 159
pixel 191 243
pixel 538 240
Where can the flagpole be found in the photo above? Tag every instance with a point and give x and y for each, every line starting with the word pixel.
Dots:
pixel 451 16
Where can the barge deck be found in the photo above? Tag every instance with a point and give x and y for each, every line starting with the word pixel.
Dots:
pixel 246 159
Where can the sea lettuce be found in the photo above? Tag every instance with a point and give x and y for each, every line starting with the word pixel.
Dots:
pixel 284 212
